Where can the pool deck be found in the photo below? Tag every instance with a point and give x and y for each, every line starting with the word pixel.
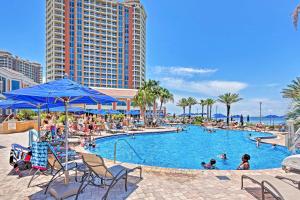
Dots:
pixel 157 183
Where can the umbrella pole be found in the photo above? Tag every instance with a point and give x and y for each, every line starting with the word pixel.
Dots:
pixel 67 179
pixel 39 122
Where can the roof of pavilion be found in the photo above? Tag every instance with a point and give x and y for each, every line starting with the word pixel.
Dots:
pixel 117 92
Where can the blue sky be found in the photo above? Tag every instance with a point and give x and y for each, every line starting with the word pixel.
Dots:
pixel 195 48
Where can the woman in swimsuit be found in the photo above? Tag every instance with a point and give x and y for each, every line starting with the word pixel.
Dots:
pixel 245 163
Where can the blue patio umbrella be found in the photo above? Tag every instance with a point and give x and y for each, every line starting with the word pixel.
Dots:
pixel 235 116
pixel 70 109
pixel 15 104
pixel 98 112
pixel 113 112
pixel 63 91
pixel 219 115
pixel 133 112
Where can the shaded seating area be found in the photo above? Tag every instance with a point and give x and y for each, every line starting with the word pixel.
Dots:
pixel 108 177
pixel 275 186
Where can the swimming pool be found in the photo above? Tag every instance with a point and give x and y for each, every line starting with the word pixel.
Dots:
pixel 189 148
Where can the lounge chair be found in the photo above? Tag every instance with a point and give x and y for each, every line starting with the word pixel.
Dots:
pixel 108 176
pixel 112 131
pixel 294 178
pixel 276 187
pixel 57 167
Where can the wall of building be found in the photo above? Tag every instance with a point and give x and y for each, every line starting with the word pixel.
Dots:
pixel 32 70
pixel 98 43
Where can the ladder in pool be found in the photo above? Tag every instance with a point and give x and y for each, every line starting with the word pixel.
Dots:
pixel 131 147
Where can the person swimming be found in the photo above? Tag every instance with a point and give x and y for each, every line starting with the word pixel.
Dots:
pixel 245 163
pixel 210 165
pixel 223 156
pixel 274 146
pixel 258 140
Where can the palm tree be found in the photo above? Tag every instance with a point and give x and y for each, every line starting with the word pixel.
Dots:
pixel 140 100
pixel 191 101
pixel 293 90
pixel 202 103
pixel 207 109
pixel 165 96
pixel 296 16
pixel 183 103
pixel 152 88
pixel 210 103
pixel 229 99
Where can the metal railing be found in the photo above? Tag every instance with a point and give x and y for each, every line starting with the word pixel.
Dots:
pixel 126 142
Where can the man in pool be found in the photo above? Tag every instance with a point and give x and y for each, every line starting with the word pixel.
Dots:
pixel 210 165
pixel 245 163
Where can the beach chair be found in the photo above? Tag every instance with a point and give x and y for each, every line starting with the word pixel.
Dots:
pixel 294 178
pixel 108 176
pixel 58 168
pixel 276 187
pixel 17 153
pixel 112 131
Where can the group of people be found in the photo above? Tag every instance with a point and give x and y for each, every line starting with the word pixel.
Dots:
pixel 244 165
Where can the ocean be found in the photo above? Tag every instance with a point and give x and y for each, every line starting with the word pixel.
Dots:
pixel 266 121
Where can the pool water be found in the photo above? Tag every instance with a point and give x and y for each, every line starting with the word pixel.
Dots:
pixel 189 148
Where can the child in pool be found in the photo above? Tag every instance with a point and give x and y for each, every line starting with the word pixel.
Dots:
pixel 210 165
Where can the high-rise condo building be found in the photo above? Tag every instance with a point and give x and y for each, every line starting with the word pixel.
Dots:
pixel 99 43
pixel 32 70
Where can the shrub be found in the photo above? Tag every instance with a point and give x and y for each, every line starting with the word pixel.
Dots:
pixel 26 115
pixel 198 120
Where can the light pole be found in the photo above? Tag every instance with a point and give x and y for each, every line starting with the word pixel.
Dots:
pixel 260 103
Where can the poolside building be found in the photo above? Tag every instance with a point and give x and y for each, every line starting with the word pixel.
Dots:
pixel 13 80
pixel 30 69
pixel 98 43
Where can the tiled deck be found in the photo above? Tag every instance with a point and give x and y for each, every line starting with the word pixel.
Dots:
pixel 156 183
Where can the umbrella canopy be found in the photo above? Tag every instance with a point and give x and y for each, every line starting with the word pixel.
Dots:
pixel 113 112
pixel 235 116
pixel 15 104
pixel 63 90
pixel 133 112
pixel 60 91
pixel 98 112
pixel 70 109
pixel 219 115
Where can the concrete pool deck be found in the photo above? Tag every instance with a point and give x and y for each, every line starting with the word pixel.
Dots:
pixel 157 183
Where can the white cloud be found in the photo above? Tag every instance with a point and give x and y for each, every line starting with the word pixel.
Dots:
pixel 211 88
pixel 248 106
pixel 182 70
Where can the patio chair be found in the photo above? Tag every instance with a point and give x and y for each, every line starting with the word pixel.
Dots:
pixel 276 187
pixel 57 167
pixel 112 131
pixel 294 178
pixel 108 176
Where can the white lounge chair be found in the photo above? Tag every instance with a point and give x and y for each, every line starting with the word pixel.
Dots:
pixel 276 187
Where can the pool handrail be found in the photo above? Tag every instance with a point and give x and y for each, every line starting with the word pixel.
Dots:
pixel 131 147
